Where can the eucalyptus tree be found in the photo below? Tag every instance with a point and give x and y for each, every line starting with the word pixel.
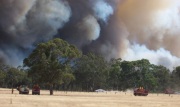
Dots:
pixel 11 76
pixel 145 74
pixel 2 78
pixel 162 75
pixel 137 74
pixel 177 71
pixel 50 61
pixel 114 78
pixel 91 72
pixel 175 78
pixel 127 75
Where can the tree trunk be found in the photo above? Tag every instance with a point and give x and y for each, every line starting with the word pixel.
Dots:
pixel 12 90
pixel 51 89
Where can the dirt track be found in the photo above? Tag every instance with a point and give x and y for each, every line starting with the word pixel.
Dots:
pixel 82 99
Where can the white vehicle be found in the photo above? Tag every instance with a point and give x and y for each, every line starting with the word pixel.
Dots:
pixel 23 89
pixel 99 90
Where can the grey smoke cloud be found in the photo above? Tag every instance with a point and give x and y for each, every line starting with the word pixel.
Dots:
pixel 151 22
pixel 26 22
pixel 102 10
pixel 87 21
pixel 130 29
pixel 154 25
pixel 90 27
pixel 40 21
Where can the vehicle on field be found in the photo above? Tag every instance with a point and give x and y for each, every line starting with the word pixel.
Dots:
pixel 23 89
pixel 140 92
pixel 99 90
pixel 169 91
pixel 36 90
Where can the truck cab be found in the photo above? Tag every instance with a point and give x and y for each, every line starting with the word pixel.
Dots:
pixel 36 90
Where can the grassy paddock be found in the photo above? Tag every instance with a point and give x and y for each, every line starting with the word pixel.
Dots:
pixel 84 99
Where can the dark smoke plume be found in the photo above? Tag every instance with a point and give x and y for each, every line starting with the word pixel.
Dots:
pixel 93 27
pixel 27 22
pixel 130 29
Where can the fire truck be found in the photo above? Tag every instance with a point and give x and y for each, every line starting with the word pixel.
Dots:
pixel 140 91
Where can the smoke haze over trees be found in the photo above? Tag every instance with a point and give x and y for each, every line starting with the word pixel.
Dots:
pixel 127 29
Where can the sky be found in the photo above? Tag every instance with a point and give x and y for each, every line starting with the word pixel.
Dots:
pixel 127 29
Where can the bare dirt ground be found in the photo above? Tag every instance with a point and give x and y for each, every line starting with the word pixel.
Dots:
pixel 83 99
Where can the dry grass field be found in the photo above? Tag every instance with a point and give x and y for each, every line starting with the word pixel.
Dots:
pixel 82 99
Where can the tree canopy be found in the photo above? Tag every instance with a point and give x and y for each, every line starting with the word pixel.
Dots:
pixel 50 61
pixel 91 72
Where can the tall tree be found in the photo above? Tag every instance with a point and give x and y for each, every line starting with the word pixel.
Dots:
pixel 50 61
pixel 115 74
pixel 162 75
pixel 175 78
pixel 91 72
pixel 11 76
pixel 2 78
pixel 127 75
pixel 145 73
pixel 177 71
pixel 137 74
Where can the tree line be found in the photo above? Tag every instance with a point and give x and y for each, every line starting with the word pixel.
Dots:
pixel 59 65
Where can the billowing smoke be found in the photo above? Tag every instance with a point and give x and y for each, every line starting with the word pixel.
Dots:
pixel 160 56
pixel 130 29
pixel 91 26
pixel 26 22
pixel 102 10
pixel 154 28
